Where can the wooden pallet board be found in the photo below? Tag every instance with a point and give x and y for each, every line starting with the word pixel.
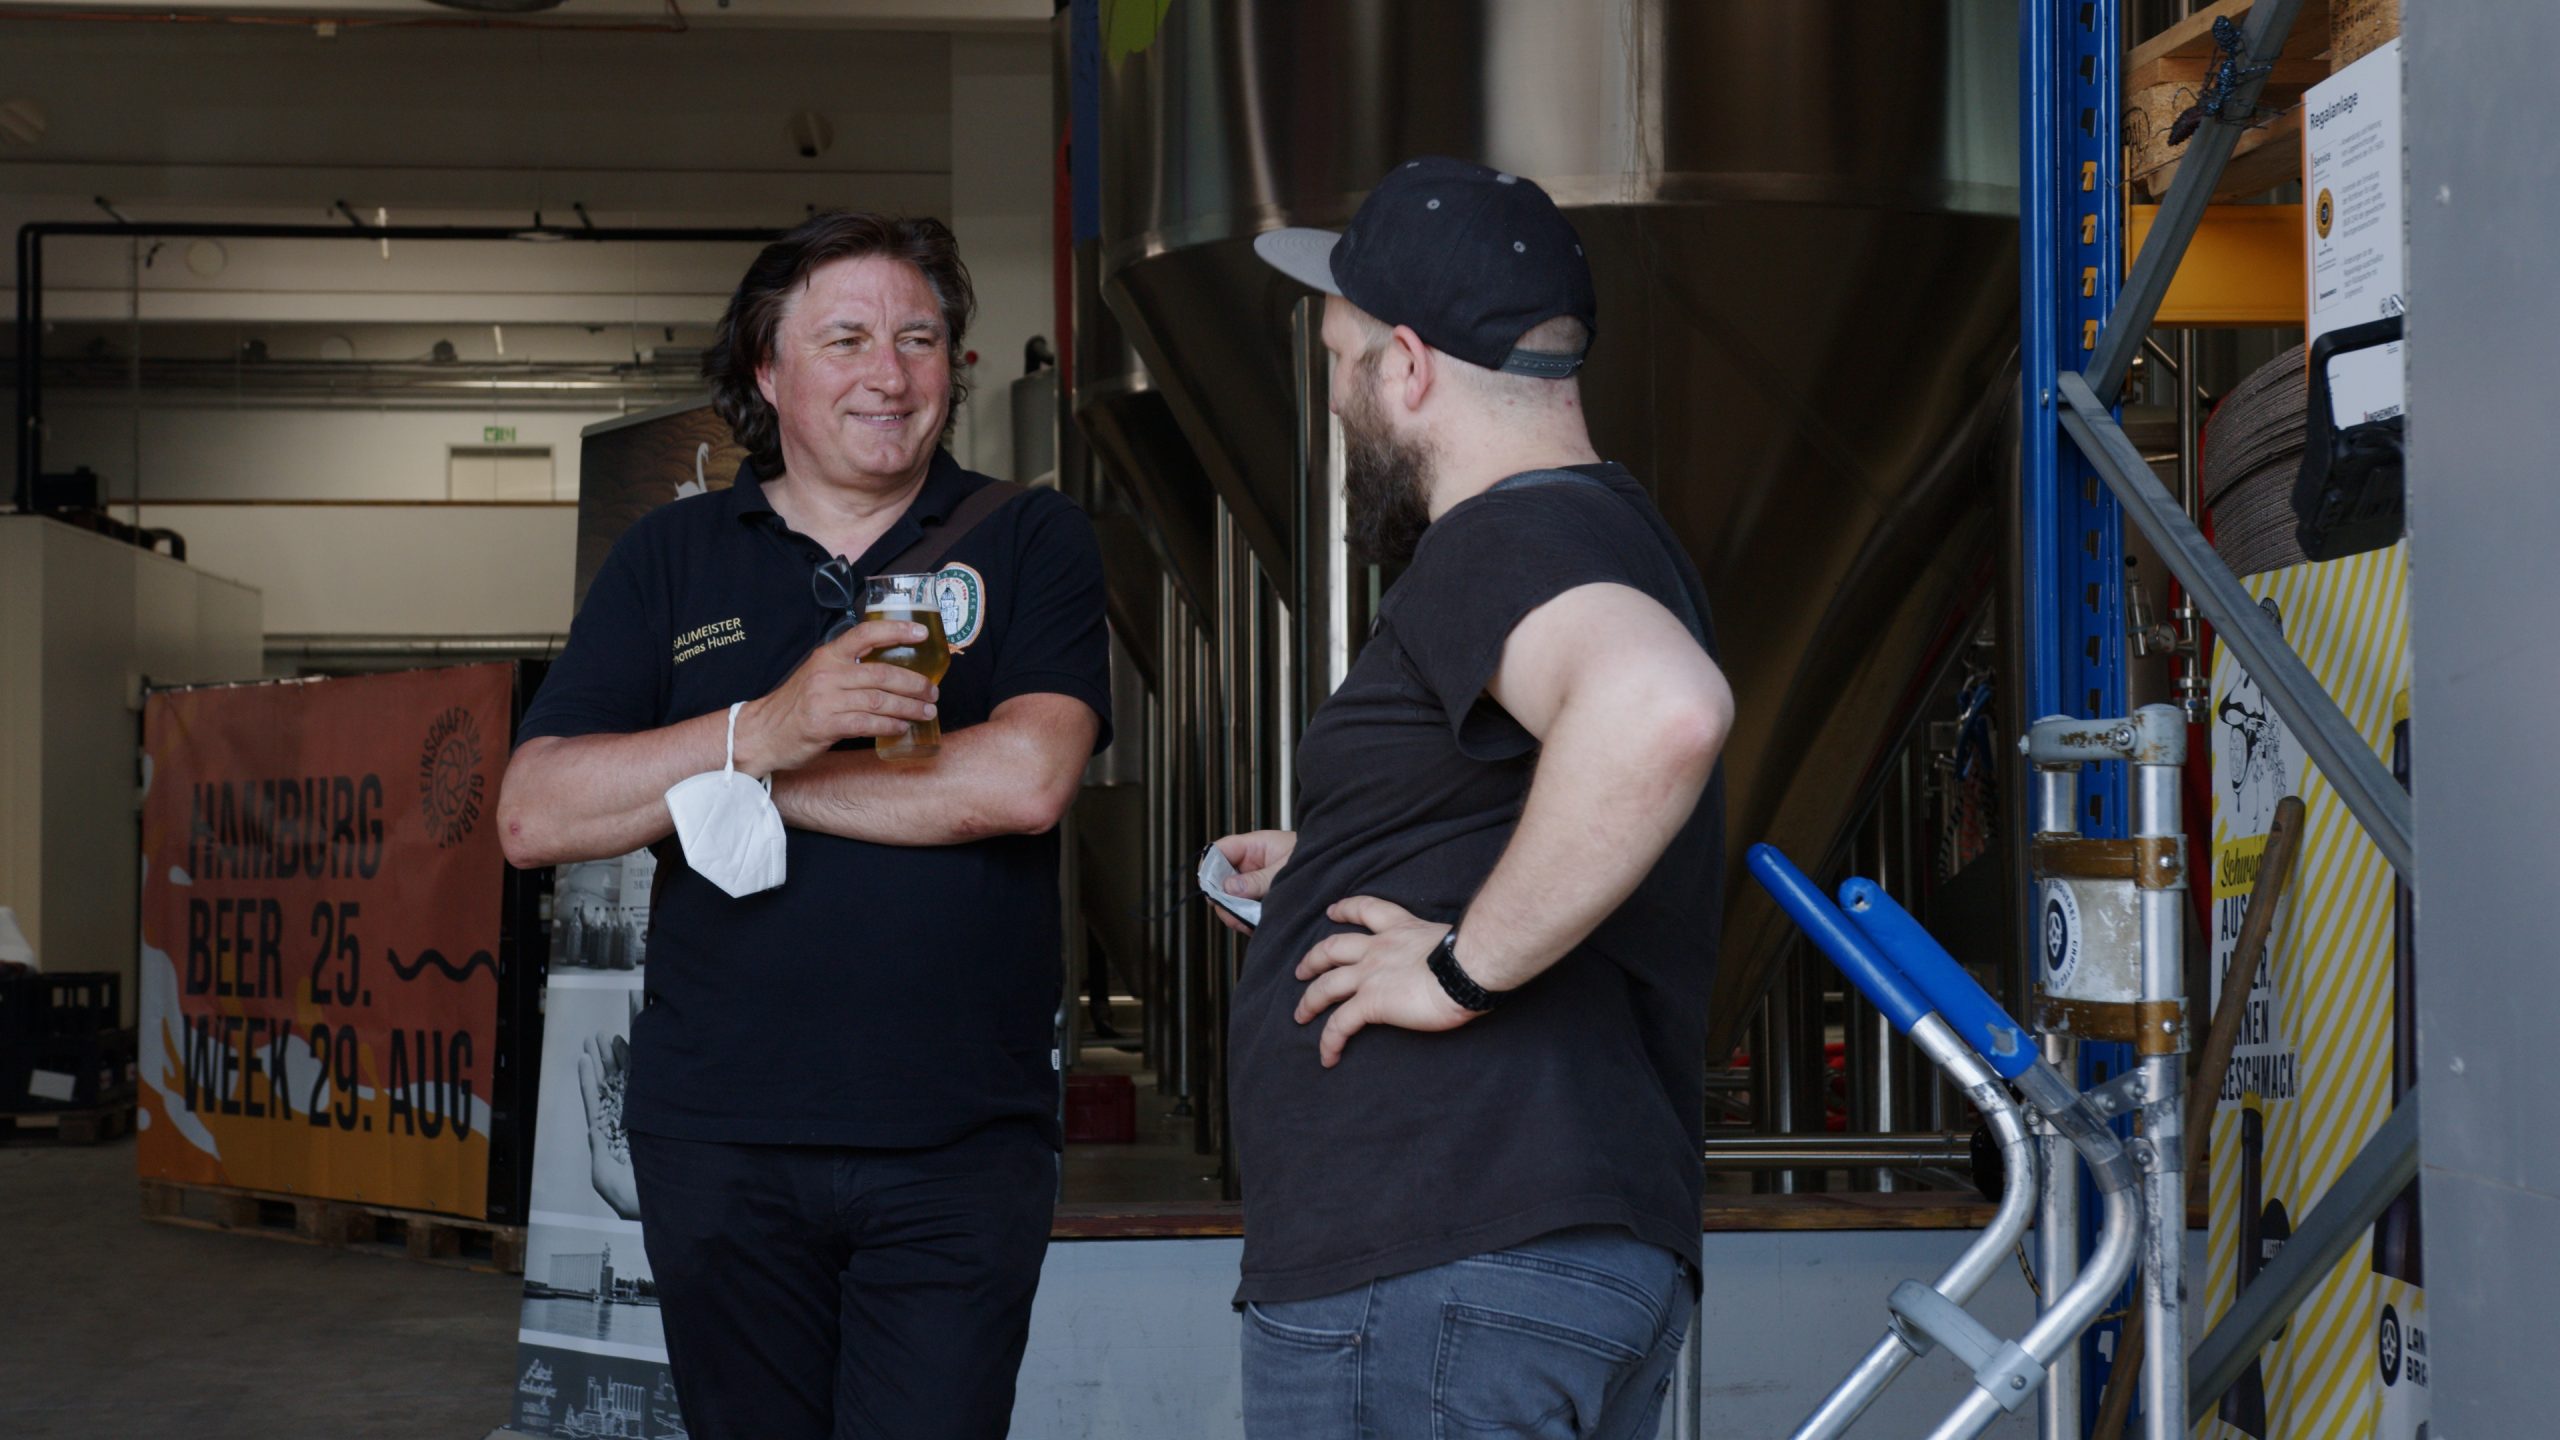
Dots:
pixel 93 1126
pixel 2192 38
pixel 2267 155
pixel 2357 28
pixel 2166 74
pixel 302 1219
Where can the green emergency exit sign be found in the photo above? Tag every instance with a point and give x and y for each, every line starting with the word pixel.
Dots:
pixel 497 434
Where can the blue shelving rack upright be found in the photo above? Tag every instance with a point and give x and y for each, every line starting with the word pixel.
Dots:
pixel 2071 260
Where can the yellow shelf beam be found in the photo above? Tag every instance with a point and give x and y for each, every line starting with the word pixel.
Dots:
pixel 2244 267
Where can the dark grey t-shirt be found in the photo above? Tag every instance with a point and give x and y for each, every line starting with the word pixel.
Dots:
pixel 1581 1101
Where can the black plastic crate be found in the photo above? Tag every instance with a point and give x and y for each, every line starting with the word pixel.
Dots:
pixel 66 1072
pixel 39 1004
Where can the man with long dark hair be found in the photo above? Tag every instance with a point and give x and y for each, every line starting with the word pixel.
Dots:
pixel 843 1089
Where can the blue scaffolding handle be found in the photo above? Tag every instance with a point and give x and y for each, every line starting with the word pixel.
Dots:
pixel 1955 995
pixel 1858 958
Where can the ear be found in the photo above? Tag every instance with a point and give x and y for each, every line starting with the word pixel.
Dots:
pixel 764 384
pixel 1414 371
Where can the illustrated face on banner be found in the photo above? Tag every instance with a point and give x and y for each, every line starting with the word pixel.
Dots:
pixel 2255 766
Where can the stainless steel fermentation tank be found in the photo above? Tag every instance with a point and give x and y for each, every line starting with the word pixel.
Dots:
pixel 1802 217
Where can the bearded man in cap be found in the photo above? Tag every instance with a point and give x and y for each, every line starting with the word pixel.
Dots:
pixel 1468 1070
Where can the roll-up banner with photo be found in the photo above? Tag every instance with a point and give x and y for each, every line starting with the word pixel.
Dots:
pixel 591 1357
pixel 323 901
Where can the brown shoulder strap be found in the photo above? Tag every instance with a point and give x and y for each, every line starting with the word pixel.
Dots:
pixel 926 554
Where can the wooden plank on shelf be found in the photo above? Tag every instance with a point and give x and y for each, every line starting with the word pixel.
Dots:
pixel 2193 37
pixel 2167 73
pixel 2268 154
pixel 2292 75
pixel 2357 28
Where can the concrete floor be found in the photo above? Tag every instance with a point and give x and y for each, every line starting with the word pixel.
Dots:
pixel 115 1328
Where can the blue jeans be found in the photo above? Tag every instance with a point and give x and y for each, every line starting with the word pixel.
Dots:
pixel 1572 1334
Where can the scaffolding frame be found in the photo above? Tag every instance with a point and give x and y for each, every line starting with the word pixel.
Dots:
pixel 2080 334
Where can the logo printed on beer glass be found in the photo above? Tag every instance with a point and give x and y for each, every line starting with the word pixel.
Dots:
pixel 914 599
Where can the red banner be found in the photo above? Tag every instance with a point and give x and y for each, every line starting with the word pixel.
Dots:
pixel 321 908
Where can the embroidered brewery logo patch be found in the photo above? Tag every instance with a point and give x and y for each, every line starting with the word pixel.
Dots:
pixel 963 594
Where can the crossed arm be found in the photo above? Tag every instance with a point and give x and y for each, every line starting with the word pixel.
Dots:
pixel 1629 733
pixel 590 797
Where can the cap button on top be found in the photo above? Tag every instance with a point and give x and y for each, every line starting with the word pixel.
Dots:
pixel 1517 248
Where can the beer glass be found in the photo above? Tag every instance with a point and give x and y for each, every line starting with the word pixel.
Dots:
pixel 910 598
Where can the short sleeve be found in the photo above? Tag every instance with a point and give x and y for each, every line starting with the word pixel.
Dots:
pixel 611 677
pixel 1055 641
pixel 1484 567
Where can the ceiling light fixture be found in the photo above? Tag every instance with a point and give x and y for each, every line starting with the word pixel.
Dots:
pixel 541 233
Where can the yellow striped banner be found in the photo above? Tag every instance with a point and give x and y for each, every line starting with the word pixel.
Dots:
pixel 2311 1076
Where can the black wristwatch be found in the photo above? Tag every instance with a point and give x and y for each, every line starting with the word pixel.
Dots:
pixel 1461 988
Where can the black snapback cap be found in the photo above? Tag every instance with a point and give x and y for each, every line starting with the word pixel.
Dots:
pixel 1471 258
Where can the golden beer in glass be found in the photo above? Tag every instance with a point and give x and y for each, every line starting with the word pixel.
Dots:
pixel 910 598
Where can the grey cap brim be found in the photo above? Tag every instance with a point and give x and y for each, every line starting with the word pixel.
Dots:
pixel 1303 255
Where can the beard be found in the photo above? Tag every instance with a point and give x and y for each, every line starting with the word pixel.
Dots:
pixel 1386 481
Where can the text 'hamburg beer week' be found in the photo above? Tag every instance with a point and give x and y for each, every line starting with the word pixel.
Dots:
pixel 321 906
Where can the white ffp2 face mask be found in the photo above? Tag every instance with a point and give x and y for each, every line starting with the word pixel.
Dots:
pixel 732 835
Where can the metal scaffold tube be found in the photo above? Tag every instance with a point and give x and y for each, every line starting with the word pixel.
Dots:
pixel 2359 776
pixel 1886 1359
pixel 2158 766
pixel 2343 1218
pixel 2056 802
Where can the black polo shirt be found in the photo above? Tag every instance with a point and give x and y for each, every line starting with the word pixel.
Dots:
pixel 883 995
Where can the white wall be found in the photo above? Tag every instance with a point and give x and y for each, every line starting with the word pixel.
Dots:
pixel 353 570
pixel 198 453
pixel 340 516
pixel 456 126
pixel 90 621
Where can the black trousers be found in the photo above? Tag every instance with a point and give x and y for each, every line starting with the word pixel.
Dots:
pixel 829 1293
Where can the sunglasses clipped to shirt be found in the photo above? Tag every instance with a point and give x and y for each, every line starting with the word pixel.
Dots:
pixel 839 590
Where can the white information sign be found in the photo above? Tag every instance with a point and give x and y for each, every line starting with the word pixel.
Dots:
pixel 2353 179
